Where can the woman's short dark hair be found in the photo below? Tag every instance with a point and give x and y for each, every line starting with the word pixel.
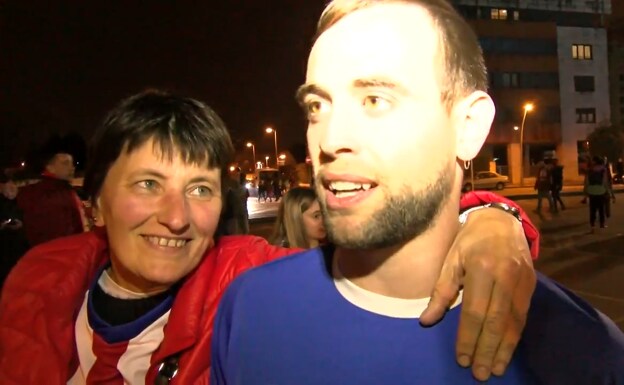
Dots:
pixel 181 126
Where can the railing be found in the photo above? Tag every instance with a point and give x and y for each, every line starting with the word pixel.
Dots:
pixel 591 6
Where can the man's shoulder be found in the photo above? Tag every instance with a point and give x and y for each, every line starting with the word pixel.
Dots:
pixel 278 275
pixel 565 334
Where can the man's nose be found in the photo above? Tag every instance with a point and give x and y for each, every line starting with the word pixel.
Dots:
pixel 339 134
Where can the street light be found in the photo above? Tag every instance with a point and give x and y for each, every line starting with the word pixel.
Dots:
pixel 253 149
pixel 527 108
pixel 270 130
pixel 266 158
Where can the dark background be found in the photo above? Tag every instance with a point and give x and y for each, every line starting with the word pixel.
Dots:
pixel 63 64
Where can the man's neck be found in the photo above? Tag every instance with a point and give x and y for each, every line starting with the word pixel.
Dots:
pixel 409 270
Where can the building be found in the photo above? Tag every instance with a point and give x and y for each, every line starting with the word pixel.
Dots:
pixel 553 55
pixel 616 62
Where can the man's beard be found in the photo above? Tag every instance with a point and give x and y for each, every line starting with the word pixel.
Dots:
pixel 404 216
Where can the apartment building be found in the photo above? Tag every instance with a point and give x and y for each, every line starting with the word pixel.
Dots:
pixel 551 55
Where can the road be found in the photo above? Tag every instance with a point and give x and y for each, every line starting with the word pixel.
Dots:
pixel 591 265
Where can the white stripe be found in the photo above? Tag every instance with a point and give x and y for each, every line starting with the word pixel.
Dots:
pixel 135 362
pixel 84 341
pixel 381 304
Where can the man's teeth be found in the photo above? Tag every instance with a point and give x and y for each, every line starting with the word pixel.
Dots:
pixel 343 187
pixel 167 242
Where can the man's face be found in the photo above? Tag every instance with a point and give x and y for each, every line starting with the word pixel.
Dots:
pixel 160 217
pixel 380 138
pixel 62 165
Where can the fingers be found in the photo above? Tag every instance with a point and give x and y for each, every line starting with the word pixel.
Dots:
pixel 478 286
pixel 444 294
pixel 515 321
pixel 495 325
pixel 446 289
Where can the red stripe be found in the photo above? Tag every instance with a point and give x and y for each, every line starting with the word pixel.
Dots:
pixel 104 370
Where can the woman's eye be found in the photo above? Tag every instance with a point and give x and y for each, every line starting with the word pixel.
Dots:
pixel 148 184
pixel 201 191
pixel 376 103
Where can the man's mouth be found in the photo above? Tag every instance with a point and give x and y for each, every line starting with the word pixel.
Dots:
pixel 343 189
pixel 166 242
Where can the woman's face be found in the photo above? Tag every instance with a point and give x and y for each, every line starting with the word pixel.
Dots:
pixel 9 190
pixel 160 217
pixel 313 223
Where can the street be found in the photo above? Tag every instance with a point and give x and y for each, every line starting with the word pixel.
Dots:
pixel 591 265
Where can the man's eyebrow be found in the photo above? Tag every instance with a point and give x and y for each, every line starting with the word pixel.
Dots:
pixel 308 89
pixel 379 83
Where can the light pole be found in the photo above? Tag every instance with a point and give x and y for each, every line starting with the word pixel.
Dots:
pixel 253 149
pixel 270 130
pixel 266 158
pixel 527 107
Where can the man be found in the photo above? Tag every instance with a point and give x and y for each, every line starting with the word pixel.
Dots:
pixel 51 207
pixel 557 184
pixel 543 185
pixel 396 102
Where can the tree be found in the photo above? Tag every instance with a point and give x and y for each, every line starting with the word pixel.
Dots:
pixel 607 141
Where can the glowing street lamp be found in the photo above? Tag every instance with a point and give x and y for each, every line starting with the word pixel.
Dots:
pixel 266 158
pixel 528 107
pixel 273 131
pixel 253 149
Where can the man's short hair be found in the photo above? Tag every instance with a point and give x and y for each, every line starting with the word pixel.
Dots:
pixel 177 125
pixel 464 65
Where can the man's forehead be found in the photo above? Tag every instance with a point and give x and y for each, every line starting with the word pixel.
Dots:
pixel 377 38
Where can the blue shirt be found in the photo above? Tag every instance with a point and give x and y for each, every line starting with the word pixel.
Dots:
pixel 285 323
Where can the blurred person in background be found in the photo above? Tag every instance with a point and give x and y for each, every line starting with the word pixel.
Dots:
pixel 51 207
pixel 557 183
pixel 299 222
pixel 134 300
pixel 596 189
pixel 13 242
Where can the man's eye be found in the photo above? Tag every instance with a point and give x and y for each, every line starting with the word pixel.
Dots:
pixel 201 191
pixel 376 103
pixel 313 107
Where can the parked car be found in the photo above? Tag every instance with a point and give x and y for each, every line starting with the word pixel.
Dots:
pixel 486 180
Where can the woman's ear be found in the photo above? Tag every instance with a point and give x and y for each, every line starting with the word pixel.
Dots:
pixel 96 213
pixel 475 114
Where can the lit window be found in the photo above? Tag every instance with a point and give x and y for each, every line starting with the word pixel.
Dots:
pixel 510 79
pixel 498 14
pixel 586 115
pixel 581 51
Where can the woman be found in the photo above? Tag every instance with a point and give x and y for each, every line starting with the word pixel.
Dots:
pixel 134 300
pixel 299 222
pixel 13 243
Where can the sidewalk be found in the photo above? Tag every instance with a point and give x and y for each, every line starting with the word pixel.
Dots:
pixel 570 227
pixel 527 192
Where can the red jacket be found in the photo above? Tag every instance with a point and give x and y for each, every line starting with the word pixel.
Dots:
pixel 44 293
pixel 50 210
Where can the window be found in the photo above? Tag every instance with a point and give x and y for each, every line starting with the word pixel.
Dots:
pixel 586 115
pixel 510 79
pixel 498 14
pixel 516 15
pixel 581 51
pixel 584 84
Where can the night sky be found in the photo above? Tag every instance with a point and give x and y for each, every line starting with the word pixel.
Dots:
pixel 65 63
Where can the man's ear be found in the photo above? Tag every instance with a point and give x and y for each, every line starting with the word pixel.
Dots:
pixel 475 116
